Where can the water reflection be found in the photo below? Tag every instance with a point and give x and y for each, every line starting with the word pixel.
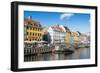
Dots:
pixel 81 53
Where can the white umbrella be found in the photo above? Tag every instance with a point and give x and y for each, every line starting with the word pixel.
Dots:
pixel 30 41
pixel 27 41
pixel 44 41
pixel 34 41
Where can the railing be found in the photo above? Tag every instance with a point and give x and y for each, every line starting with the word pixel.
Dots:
pixel 33 50
pixel 37 50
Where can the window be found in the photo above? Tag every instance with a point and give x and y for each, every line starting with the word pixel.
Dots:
pixel 31 39
pixel 33 28
pixel 27 27
pixel 36 29
pixel 30 33
pixel 26 33
pixel 26 38
pixel 30 28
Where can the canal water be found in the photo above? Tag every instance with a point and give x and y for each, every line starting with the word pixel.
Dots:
pixel 80 53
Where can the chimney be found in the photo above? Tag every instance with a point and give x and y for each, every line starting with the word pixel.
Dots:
pixel 29 17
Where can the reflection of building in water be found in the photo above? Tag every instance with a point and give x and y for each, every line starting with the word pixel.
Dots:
pixel 32 30
pixel 82 53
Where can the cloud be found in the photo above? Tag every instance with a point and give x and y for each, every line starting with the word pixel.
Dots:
pixel 67 15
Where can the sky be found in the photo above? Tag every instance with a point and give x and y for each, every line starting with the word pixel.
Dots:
pixel 74 21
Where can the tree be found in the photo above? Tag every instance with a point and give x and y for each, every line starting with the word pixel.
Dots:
pixel 47 37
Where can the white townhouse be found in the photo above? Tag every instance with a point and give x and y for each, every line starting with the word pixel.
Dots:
pixel 57 34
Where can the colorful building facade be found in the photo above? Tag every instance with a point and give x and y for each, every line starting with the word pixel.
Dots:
pixel 32 30
pixel 57 34
pixel 72 38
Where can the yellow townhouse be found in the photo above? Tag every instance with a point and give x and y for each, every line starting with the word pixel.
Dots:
pixel 32 30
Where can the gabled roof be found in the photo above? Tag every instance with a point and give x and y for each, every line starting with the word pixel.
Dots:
pixel 30 21
pixel 67 29
pixel 79 33
pixel 57 28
